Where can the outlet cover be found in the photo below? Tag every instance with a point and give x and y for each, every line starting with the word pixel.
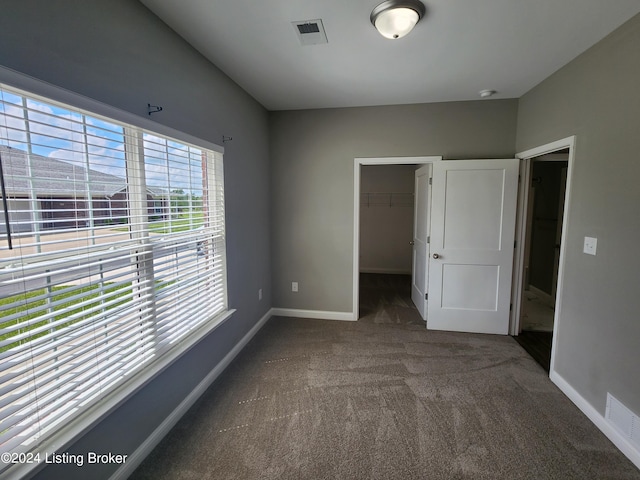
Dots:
pixel 294 286
pixel 590 245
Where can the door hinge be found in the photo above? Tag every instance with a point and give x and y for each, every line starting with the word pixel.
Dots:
pixel 428 239
pixel 515 244
pixel 426 296
pixel 430 180
pixel 511 307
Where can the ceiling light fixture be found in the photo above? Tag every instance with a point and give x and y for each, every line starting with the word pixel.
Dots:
pixel 396 18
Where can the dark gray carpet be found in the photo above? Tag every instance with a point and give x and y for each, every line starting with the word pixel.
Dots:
pixel 315 399
pixel 387 299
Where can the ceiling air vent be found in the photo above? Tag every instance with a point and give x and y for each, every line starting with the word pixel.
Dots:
pixel 310 32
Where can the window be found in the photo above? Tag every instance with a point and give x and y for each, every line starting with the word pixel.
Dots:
pixel 112 252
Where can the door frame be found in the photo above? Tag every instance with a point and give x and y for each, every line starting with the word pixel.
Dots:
pixel 526 158
pixel 357 163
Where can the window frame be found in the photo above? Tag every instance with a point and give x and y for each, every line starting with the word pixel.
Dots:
pixel 65 436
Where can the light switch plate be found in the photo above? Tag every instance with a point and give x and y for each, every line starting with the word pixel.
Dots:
pixel 590 245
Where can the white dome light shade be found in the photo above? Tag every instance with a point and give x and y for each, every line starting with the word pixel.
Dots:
pixel 396 23
pixel 396 18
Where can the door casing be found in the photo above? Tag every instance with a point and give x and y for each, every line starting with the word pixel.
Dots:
pixel 518 277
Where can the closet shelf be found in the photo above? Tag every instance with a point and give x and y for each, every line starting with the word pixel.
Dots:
pixel 386 199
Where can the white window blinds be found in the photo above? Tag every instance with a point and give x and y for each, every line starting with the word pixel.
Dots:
pixel 112 249
pixel 187 235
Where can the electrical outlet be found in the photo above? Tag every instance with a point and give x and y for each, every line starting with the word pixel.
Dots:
pixel 294 286
pixel 259 294
pixel 590 245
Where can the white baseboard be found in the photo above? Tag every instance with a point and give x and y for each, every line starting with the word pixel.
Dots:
pixel 136 458
pixel 624 445
pixel 319 314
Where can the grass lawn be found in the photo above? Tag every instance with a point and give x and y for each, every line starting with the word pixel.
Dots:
pixel 32 309
pixel 181 223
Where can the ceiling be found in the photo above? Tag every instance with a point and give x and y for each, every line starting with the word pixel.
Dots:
pixel 459 48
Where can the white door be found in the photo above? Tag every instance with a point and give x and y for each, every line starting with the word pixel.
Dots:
pixel 472 230
pixel 556 258
pixel 421 222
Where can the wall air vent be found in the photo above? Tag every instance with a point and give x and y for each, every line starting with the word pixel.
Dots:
pixel 310 32
pixel 626 422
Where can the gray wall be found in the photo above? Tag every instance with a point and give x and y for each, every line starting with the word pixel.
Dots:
pixel 595 97
pixel 312 164
pixel 119 53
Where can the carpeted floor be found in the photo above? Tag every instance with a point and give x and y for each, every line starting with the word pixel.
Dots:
pixel 316 399
pixel 387 299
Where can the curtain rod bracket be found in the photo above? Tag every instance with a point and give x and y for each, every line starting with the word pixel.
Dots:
pixel 153 109
pixel 5 206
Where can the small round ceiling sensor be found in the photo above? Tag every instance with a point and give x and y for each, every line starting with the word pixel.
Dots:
pixel 487 93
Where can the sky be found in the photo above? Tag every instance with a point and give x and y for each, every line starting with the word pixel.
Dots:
pixel 76 138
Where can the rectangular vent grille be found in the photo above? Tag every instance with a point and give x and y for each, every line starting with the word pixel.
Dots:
pixel 310 32
pixel 308 28
pixel 625 421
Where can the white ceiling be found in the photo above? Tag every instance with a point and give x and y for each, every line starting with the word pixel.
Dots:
pixel 459 48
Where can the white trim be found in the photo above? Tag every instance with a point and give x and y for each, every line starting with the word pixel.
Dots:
pixel 622 443
pixel 518 254
pixel 357 163
pixel 397 160
pixel 526 156
pixel 136 458
pixel 568 142
pixel 318 314
pixel 38 87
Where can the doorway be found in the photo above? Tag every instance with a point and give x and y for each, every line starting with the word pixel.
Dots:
pixel 546 189
pixel 388 280
pixel 540 247
pixel 471 281
pixel 386 230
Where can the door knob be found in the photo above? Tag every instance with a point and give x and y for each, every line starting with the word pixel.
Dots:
pixel 436 256
pixel 411 242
